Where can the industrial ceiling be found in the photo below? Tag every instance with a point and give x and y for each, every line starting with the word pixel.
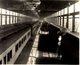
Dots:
pixel 29 7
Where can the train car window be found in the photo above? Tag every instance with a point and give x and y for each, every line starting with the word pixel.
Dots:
pixel 29 33
pixel 65 21
pixel 3 19
pixel 77 22
pixel 71 9
pixel 70 23
pixel 11 54
pixel 20 43
pixel 8 57
pixel 0 61
pixel 5 60
pixel 23 39
pixel 16 48
pixel 77 7
pixel 7 19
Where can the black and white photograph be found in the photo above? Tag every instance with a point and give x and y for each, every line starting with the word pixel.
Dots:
pixel 39 32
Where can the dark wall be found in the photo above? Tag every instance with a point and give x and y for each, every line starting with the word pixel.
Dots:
pixel 70 49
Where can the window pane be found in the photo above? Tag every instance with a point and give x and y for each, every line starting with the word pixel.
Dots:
pixel 13 13
pixel 59 13
pixel 70 23
pixel 3 19
pixel 77 23
pixel 7 19
pixel 65 21
pixel 3 11
pixel 10 12
pixel 16 14
pixel 0 10
pixel 61 21
pixel 57 20
pixel 71 9
pixel 65 11
pixel 62 11
pixel 7 12
pixel 77 7
pixel 78 30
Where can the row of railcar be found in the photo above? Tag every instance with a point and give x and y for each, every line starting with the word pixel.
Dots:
pixel 13 39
